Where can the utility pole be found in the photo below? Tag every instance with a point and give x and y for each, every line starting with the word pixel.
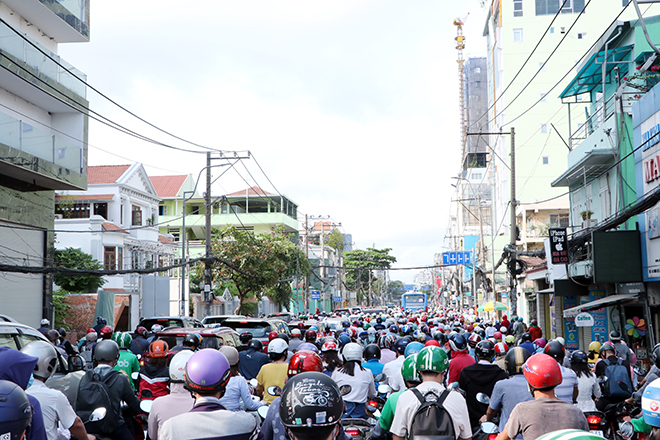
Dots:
pixel 306 295
pixel 208 279
pixel 513 298
pixel 322 269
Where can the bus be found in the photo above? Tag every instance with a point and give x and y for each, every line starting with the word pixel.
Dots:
pixel 414 301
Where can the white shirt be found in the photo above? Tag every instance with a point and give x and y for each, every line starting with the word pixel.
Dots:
pixel 362 384
pixel 54 406
pixel 393 372
pixel 407 405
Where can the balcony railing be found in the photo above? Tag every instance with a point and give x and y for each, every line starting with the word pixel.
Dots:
pixel 16 46
pixel 593 122
pixel 39 143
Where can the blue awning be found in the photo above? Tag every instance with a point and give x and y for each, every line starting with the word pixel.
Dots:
pixel 591 75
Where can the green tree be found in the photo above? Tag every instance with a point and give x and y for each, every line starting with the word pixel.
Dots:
pixel 335 240
pixel 257 264
pixel 395 289
pixel 72 258
pixel 359 266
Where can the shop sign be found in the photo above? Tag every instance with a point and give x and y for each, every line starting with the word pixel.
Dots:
pixel 584 319
pixel 599 330
pixel 558 245
pixel 570 330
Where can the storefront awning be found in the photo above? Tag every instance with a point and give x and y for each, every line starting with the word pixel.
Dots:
pixel 591 75
pixel 611 300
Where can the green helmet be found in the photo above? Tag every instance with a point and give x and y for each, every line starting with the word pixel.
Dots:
pixel 433 359
pixel 366 326
pixel 566 434
pixel 123 340
pixel 409 369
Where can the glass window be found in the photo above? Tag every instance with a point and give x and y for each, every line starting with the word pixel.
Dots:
pixel 8 341
pixel 136 216
pixel 517 35
pixel 551 7
pixel 162 210
pixel 517 8
pixel 546 160
pixel 109 258
pixel 544 128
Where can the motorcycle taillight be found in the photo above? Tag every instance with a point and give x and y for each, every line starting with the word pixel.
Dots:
pixel 492 436
pixel 372 403
pixel 354 432
pixel 593 420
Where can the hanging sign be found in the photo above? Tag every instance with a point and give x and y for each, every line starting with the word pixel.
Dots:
pixel 584 319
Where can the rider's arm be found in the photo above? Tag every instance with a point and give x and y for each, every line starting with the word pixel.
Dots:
pixel 490 414
pixel 79 432
pixel 576 391
pixel 250 405
pixel 504 435
pixel 372 386
pixel 128 395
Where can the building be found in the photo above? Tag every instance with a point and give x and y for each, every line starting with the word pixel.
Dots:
pixel 531 46
pixel 43 141
pixel 120 211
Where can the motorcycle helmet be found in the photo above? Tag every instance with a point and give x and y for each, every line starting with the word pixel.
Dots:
pixel 178 365
pixel 484 350
pixel 158 349
pixel 401 344
pixel 47 355
pixel 500 349
pixel 92 337
pixel 106 351
pixel 498 336
pixel 246 337
pixel 140 331
pixel 432 342
pixel 394 329
pixel 526 337
pixel 256 344
pixel 573 434
pixel 156 328
pixel 615 336
pixel 329 346
pixel 207 372
pixel 510 340
pixel 413 347
pixel 515 359
pixel 542 372
pixel 655 355
pixel 301 407
pixel 409 369
pixel 352 352
pixel 304 361
pixel 62 332
pixel 458 342
pixel 15 411
pixel 372 351
pixel 230 353
pixel 271 336
pixel 594 347
pixel 284 337
pixel 106 332
pixel 296 333
pixel 650 400
pixel 124 340
pixel 579 357
pixel 540 342
pixel 555 349
pixel 308 346
pixel 474 339
pixel 432 359
pixel 277 346
pixel 343 339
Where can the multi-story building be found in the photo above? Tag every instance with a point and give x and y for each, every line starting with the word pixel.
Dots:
pixel 43 141
pixel 532 51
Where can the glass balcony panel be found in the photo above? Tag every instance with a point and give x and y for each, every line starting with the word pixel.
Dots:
pixel 76 7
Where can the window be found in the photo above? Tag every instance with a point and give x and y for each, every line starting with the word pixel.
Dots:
pixel 544 128
pixel 582 35
pixel 162 210
pixel 136 216
pixel 576 206
pixel 101 209
pixel 176 233
pixel 120 258
pixel 109 258
pixel 517 8
pixel 477 70
pixel 476 176
pixel 517 35
pixel 559 221
pixel 72 209
pixel 546 160
pixel 551 7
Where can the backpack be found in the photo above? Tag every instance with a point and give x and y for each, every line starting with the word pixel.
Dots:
pixel 618 384
pixel 431 421
pixel 93 393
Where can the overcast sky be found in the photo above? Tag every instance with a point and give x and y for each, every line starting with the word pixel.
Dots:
pixel 350 107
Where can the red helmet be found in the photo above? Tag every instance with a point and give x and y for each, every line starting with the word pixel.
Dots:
pixel 271 336
pixel 352 332
pixel 106 332
pixel 140 331
pixel 542 371
pixel 329 346
pixel 310 335
pixel 158 349
pixel 432 342
pixel 474 339
pixel 91 330
pixel 498 336
pixel 304 361
pixel 501 348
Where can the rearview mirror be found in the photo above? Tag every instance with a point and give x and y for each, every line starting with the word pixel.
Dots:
pixel 345 389
pixel 384 388
pixel 262 411
pixel 483 398
pixel 135 375
pixel 254 383
pixel 489 427
pixel 275 391
pixel 97 414
pixel 145 405
pixel 380 377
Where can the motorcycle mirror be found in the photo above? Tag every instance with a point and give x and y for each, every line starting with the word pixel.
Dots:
pixel 145 405
pixel 97 414
pixel 489 427
pixel 139 356
pixel 483 398
pixel 384 388
pixel 602 379
pixel 275 391
pixel 146 394
pixel 263 410
pixel 135 375
pixel 345 389
pixel 256 398
pixel 380 377
pixel 254 383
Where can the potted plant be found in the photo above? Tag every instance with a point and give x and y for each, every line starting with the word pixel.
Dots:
pixel 586 215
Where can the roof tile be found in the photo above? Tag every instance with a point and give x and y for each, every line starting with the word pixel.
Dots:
pixel 168 186
pixel 105 173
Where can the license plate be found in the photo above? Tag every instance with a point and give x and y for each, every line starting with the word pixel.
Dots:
pixel 597 432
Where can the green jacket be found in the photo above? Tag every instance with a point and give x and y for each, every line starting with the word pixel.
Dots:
pixel 128 364
pixel 387 414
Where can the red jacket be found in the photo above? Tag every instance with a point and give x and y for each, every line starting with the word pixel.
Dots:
pixel 535 332
pixel 459 360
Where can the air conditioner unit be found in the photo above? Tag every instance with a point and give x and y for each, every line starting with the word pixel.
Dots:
pixel 59 216
pixel 583 269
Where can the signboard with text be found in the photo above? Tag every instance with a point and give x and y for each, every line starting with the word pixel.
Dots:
pixel 599 329
pixel 316 294
pixel 453 258
pixel 558 245
pixel 570 325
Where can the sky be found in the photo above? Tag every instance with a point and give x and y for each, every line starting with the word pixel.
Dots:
pixel 349 107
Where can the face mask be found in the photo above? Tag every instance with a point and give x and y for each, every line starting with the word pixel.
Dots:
pixel 31 381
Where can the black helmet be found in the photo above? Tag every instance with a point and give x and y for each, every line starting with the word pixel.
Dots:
pixel 526 337
pixel 311 400
pixel 192 340
pixel 514 360
pixel 245 337
pixel 15 410
pixel 283 336
pixel 379 320
pixel 579 357
pixel 556 350
pixel 62 332
pixel 371 352
pixel 655 355
pixel 256 344
pixel 106 351
pixel 615 336
pixel 484 350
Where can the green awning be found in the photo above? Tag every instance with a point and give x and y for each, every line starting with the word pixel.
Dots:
pixel 591 75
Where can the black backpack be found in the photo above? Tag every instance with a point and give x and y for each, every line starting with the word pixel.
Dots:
pixel 618 384
pixel 94 393
pixel 431 420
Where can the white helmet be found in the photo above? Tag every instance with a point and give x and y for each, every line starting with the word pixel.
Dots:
pixel 45 352
pixel 352 352
pixel 156 328
pixel 277 346
pixel 178 365
pixel 562 341
pixel 230 353
pixel 92 337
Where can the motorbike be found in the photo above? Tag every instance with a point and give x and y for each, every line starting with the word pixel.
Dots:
pixel 597 423
pixel 487 430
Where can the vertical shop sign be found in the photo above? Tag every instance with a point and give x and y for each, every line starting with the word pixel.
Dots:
pixel 599 330
pixel 570 330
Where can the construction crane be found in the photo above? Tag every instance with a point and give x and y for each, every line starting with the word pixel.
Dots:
pixel 460 45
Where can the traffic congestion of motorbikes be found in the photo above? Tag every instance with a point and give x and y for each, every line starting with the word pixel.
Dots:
pixel 390 374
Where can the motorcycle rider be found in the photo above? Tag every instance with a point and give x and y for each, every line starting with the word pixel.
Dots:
pixel 568 389
pixel 139 344
pixel 652 375
pixel 431 364
pixel 252 359
pixel 127 363
pixel 206 375
pixel 296 340
pixel 526 343
pixel 622 350
pixel 386 344
pixel 459 357
pixel 15 411
pixel 45 326
pixel 154 374
pixel 361 381
pixel 546 413
pixel 274 373
pixel 372 359
pixel 393 368
pixel 608 352
pixel 54 405
pixel 480 378
pixel 100 323
pixel 509 392
pixel 236 391
pixel 177 402
pixel 245 338
pixel 65 344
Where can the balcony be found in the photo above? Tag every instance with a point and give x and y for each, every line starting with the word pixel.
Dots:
pixel 67 21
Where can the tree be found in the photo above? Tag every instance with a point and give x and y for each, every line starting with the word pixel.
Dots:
pixel 395 289
pixel 359 265
pixel 257 264
pixel 335 240
pixel 72 258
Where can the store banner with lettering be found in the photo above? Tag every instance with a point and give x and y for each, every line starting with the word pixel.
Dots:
pixel 570 329
pixel 599 330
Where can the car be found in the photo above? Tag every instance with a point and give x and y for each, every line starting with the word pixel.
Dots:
pixel 258 327
pixel 211 337
pixel 170 321
pixel 209 321
pixel 334 323
pixel 284 316
pixel 377 311
pixel 17 335
pixel 342 311
pixel 5 318
pixel 355 310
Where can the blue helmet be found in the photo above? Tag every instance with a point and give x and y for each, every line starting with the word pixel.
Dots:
pixel 346 324
pixel 401 344
pixel 343 339
pixel 458 342
pixel 15 410
pixel 649 403
pixel 394 329
pixel 413 347
pixel 406 329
